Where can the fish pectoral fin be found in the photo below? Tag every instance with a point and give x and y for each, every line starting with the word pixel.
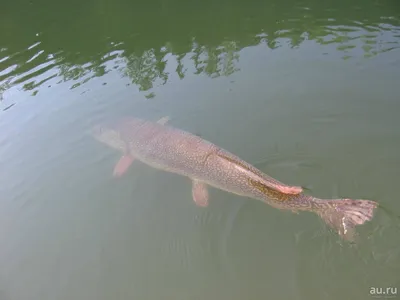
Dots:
pixel 200 193
pixel 123 165
pixel 163 120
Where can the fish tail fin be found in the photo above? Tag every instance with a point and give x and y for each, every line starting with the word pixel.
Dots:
pixel 343 215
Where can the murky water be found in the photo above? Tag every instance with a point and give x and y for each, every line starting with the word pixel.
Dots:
pixel 307 91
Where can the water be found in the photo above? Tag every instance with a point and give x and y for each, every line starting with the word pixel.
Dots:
pixel 308 91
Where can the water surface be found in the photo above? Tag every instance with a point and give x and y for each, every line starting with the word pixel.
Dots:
pixel 308 91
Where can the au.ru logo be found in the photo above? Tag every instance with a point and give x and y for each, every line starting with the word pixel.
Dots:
pixel 379 292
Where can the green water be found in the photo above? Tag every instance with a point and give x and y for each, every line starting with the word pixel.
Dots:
pixel 307 91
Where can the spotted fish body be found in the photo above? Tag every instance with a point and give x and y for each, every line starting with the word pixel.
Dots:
pixel 177 151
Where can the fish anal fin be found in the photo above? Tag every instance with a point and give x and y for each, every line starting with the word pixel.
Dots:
pixel 200 193
pixel 123 165
pixel 163 120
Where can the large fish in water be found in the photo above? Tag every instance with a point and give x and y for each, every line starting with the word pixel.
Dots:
pixel 174 150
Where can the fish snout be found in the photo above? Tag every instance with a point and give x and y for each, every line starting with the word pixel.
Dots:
pixel 96 130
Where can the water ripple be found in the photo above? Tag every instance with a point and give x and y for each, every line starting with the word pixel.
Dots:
pixel 57 59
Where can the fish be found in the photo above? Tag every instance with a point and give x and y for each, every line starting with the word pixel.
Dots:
pixel 174 150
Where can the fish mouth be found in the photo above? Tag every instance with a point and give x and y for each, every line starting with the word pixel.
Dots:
pixel 107 136
pixel 102 134
pixel 96 131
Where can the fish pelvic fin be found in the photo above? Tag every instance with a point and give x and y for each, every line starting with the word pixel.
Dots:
pixel 343 215
pixel 199 193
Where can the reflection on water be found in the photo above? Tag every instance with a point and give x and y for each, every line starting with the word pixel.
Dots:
pixel 201 41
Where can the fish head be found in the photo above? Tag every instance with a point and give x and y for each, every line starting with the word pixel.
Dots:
pixel 108 136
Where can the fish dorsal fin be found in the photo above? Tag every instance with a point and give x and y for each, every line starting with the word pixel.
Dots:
pixel 274 186
pixel 270 192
